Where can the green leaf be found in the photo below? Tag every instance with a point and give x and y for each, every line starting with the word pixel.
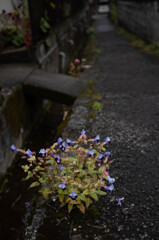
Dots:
pixel 34 184
pixel 100 171
pixel 101 192
pixel 94 196
pixel 25 168
pixel 88 202
pixel 29 175
pixel 86 192
pixel 31 159
pixel 82 197
pixel 70 206
pixel 41 180
pixel 81 208
pixel 46 192
pixel 51 161
pixel 61 197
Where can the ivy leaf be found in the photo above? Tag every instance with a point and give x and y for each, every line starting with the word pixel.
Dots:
pixel 34 184
pixel 70 206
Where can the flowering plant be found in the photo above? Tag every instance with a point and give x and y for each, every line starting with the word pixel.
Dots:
pixel 15 27
pixel 75 172
pixel 74 67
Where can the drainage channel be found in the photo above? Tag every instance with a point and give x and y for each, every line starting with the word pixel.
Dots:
pixel 17 201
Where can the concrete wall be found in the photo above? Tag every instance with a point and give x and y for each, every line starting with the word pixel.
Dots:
pixel 6 5
pixel 18 114
pixel 141 17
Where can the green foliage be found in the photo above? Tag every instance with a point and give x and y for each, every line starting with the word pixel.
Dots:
pixel 97 106
pixel 135 40
pixel 44 25
pixel 91 31
pixel 15 27
pixel 114 13
pixel 72 168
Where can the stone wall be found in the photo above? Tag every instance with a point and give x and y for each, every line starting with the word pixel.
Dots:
pixel 18 114
pixel 141 17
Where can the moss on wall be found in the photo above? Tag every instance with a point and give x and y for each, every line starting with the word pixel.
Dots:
pixel 16 111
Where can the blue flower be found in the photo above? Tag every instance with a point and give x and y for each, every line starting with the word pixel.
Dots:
pixel 118 200
pixel 43 152
pixel 110 188
pixel 107 140
pixel 69 142
pixel 62 186
pixel 14 149
pixel 111 180
pixel 58 159
pixel 90 153
pixel 29 153
pixel 107 154
pixel 59 141
pixel 73 195
pixel 83 132
pixel 61 168
pixel 96 139
pixel 100 157
pixel 63 147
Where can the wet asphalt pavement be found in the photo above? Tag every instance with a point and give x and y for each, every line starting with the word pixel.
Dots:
pixel 128 81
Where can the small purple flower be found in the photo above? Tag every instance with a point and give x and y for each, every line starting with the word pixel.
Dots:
pixel 110 188
pixel 107 140
pixel 29 153
pixel 100 157
pixel 96 139
pixel 61 168
pixel 118 200
pixel 107 154
pixel 63 147
pixel 59 141
pixel 43 152
pixel 90 153
pixel 69 142
pixel 73 195
pixel 83 132
pixel 62 186
pixel 14 149
pixel 111 180
pixel 58 159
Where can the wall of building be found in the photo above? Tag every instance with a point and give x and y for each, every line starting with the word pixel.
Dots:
pixel 141 17
pixel 6 5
